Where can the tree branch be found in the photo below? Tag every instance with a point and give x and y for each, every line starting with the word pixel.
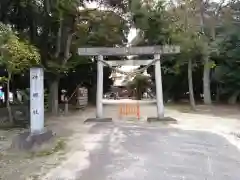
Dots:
pixel 47 7
pixel 58 40
pixel 67 53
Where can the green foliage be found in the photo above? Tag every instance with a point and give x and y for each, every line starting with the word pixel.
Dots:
pixel 16 55
pixel 46 99
pixel 94 27
pixel 151 18
pixel 3 79
pixel 59 145
pixel 48 26
pixel 227 71
pixel 139 84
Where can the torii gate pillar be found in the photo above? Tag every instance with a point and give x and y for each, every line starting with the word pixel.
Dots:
pixel 99 96
pixel 159 91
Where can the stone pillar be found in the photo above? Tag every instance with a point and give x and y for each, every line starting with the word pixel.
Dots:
pixel 38 133
pixel 36 100
pixel 99 96
pixel 159 91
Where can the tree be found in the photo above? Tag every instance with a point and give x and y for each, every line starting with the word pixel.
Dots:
pixel 152 20
pixel 226 73
pixel 59 27
pixel 189 41
pixel 16 56
pixel 153 23
pixel 93 30
pixel 53 26
pixel 209 44
pixel 204 20
pixel 201 28
pixel 210 17
pixel 139 85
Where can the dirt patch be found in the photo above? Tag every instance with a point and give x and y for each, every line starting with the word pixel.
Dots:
pixel 216 110
pixel 33 164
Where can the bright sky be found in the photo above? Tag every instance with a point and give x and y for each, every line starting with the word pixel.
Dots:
pixel 132 34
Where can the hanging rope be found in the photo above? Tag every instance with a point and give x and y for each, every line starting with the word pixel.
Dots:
pixel 135 72
pixel 73 93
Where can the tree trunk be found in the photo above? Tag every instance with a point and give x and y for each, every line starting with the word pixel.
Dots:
pixel 92 94
pixel 53 96
pixel 218 93
pixel 190 85
pixel 5 95
pixel 10 116
pixel 206 69
pixel 206 82
pixel 233 98
pixel 138 96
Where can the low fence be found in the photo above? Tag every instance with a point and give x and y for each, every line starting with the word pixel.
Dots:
pixel 129 110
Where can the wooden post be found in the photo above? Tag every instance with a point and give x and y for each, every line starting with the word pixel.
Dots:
pixel 138 111
pixel 66 106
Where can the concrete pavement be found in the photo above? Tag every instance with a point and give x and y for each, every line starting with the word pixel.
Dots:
pixel 127 151
pixel 134 152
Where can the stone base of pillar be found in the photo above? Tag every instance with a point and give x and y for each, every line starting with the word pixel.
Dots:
pixel 162 120
pixel 89 120
pixel 26 140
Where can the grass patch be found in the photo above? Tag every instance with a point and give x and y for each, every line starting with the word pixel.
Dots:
pixel 34 177
pixel 9 126
pixel 1 155
pixel 59 146
pixel 185 108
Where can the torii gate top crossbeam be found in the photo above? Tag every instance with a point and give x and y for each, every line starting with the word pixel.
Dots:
pixel 109 51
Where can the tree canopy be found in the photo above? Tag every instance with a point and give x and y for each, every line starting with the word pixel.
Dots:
pixel 50 31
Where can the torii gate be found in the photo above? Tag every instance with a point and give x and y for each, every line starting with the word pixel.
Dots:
pixel 126 51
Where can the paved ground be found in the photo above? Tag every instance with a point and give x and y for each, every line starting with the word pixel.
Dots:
pixel 123 150
pixel 128 151
pixel 15 165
